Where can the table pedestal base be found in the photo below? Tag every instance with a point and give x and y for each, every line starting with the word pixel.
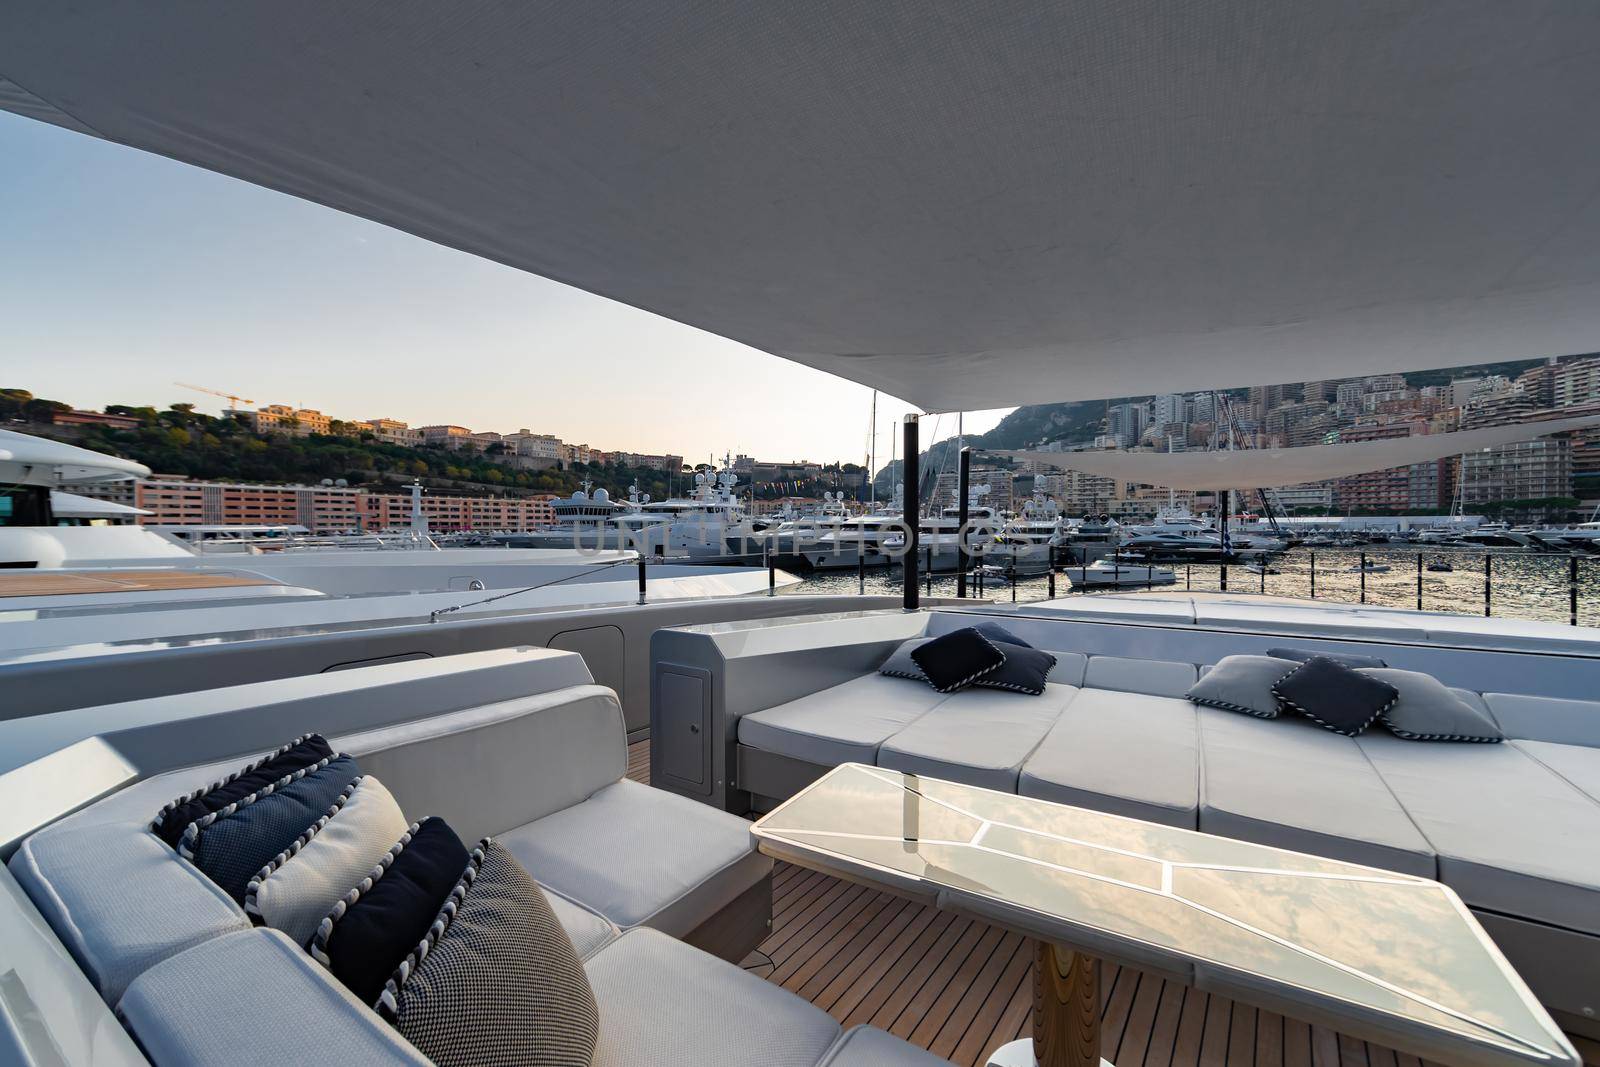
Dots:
pixel 1066 1013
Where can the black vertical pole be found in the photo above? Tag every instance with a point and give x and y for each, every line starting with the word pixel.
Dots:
pixel 1488 582
pixel 861 565
pixel 1225 496
pixel 930 570
pixel 772 573
pixel 1313 574
pixel 1363 577
pixel 913 476
pixel 963 480
pixel 1572 588
pixel 1419 581
pixel 641 579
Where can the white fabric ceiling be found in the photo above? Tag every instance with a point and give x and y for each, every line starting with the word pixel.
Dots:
pixel 967 205
pixel 30 460
pixel 1264 468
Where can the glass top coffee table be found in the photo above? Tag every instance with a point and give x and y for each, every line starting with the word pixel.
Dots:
pixel 1384 956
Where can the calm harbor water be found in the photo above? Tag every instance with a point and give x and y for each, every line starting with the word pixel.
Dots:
pixel 1521 586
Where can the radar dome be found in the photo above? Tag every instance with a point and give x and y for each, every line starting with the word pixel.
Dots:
pixel 579 494
pixel 601 496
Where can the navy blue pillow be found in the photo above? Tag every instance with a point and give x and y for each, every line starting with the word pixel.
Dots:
pixel 385 918
pixel 173 819
pixel 1335 697
pixel 957 659
pixel 1024 671
pixel 1301 655
pixel 998 634
pixel 231 845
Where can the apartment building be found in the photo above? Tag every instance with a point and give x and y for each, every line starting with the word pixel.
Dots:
pixel 394 432
pixel 447 435
pixel 1577 382
pixel 447 513
pixel 282 418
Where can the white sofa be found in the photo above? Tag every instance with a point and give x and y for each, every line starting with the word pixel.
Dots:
pixel 637 876
pixel 1514 828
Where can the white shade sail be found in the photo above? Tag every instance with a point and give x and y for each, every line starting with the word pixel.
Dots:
pixel 76 506
pixel 966 205
pixel 1265 468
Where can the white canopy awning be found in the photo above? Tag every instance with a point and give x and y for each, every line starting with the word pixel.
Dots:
pixel 30 460
pixel 967 205
pixel 1264 468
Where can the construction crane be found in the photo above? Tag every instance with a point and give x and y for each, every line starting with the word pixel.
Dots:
pixel 233 400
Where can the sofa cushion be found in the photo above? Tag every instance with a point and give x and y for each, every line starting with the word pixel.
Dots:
pixel 1503 825
pixel 1243 684
pixel 666 1004
pixel 1334 696
pixel 980 737
pixel 1578 764
pixel 386 914
pixel 642 857
pixel 1125 753
pixel 1069 668
pixel 1427 711
pixel 171 821
pixel 303 883
pixel 1162 678
pixel 867 1046
pixel 957 659
pixel 842 724
pixel 119 898
pixel 496 981
pixel 1565 722
pixel 901 665
pixel 495 748
pixel 254 994
pixel 231 846
pixel 589 931
pixel 1291 785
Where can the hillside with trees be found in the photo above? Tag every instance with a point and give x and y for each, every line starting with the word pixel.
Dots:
pixel 180 440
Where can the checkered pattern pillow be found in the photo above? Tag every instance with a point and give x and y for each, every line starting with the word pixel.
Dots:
pixel 496 981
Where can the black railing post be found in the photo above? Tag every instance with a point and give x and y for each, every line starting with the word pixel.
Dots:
pixel 963 479
pixel 1224 580
pixel 772 573
pixel 912 513
pixel 641 579
pixel 929 579
pixel 1572 588
pixel 1488 583
pixel 1313 574
pixel 861 567
pixel 1188 576
pixel 1261 561
pixel 1053 587
pixel 1419 581
pixel 1363 577
pixel 1013 577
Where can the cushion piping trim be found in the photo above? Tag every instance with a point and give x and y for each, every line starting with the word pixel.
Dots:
pixel 388 1004
pixel 174 805
pixel 984 683
pixel 319 941
pixel 1410 736
pixel 253 887
pixel 191 833
pixel 1255 713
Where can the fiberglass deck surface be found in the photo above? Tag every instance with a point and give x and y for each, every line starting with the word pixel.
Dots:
pixel 959 987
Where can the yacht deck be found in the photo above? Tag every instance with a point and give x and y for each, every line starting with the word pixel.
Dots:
pixel 960 987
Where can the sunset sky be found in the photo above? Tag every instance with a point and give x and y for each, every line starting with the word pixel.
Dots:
pixel 124 273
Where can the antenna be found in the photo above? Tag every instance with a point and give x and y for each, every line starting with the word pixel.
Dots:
pixel 233 399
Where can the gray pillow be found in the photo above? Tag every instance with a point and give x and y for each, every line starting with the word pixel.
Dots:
pixel 1243 684
pixel 901 665
pixel 1349 659
pixel 1427 711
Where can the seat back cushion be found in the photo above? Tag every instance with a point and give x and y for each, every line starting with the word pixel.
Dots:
pixel 1069 668
pixel 1162 678
pixel 120 899
pixel 485 770
pixel 254 994
pixel 1565 722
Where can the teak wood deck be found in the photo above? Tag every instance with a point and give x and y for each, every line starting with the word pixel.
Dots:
pixel 960 988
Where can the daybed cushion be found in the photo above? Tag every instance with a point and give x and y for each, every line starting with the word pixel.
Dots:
pixel 1069 667
pixel 842 724
pixel 1578 764
pixel 120 899
pixel 666 1004
pixel 254 995
pixel 1124 753
pixel 979 736
pixel 867 1046
pixel 1290 784
pixel 1508 831
pixel 642 856
pixel 1157 677
pixel 1566 722
pixel 588 931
